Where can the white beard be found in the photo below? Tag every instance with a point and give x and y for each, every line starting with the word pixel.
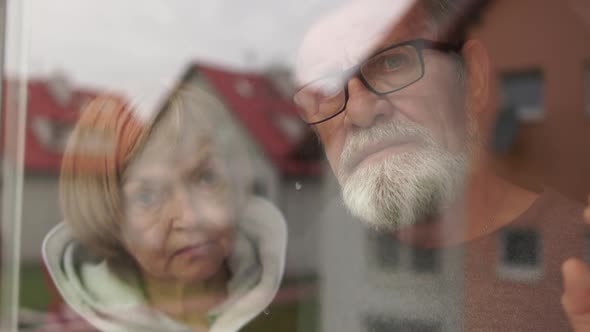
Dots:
pixel 402 189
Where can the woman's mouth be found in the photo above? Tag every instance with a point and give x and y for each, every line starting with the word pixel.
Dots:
pixel 196 250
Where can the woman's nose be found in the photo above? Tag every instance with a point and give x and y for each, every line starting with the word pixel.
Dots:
pixel 185 210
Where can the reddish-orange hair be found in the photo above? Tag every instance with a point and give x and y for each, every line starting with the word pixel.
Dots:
pixel 105 139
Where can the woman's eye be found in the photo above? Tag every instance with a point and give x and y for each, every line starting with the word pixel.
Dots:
pixel 208 177
pixel 205 177
pixel 146 197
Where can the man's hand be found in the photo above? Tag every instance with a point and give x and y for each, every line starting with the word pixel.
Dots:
pixel 576 296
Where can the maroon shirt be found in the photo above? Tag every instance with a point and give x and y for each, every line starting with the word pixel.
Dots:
pixel 513 276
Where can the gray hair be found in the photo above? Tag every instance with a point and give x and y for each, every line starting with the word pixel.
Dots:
pixel 454 17
pixel 451 19
pixel 190 109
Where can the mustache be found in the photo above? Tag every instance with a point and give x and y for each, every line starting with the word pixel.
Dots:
pixel 382 135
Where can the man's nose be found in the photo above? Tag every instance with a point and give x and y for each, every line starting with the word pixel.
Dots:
pixel 364 108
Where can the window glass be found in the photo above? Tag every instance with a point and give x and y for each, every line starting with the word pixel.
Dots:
pixel 296 165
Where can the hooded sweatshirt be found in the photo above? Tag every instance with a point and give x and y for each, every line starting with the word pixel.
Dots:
pixel 111 303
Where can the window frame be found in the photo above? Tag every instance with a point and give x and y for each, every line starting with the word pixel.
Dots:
pixel 525 116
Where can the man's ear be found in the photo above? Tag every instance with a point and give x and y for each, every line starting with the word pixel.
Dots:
pixel 477 74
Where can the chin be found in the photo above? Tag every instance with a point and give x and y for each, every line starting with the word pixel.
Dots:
pixel 202 271
pixel 405 189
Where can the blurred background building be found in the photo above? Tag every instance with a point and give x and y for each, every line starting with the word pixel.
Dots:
pixel 53 106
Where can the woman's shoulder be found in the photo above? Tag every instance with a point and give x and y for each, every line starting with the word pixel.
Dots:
pixel 261 214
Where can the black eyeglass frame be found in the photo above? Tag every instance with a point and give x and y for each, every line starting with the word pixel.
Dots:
pixel 420 44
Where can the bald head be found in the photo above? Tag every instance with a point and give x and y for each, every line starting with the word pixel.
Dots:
pixel 347 35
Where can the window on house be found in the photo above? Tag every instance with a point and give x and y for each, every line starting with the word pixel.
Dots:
pixel 523 91
pixel 374 323
pixel 521 248
pixel 425 259
pixel 520 254
pixel 383 250
pixel 422 326
pixel 259 188
pixel 52 134
pixel 381 323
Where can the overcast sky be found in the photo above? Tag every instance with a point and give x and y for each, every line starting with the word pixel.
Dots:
pixel 136 45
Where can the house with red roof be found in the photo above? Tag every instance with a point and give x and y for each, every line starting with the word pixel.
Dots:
pixel 53 112
pixel 285 157
pixel 53 106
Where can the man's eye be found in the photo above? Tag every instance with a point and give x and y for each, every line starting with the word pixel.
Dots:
pixel 395 61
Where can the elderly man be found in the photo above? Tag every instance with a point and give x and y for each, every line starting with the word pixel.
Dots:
pixel 399 101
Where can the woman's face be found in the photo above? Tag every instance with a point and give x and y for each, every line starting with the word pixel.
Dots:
pixel 178 217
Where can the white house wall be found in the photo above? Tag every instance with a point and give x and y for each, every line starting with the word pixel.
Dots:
pixel 40 213
pixel 234 134
pixel 296 197
pixel 301 203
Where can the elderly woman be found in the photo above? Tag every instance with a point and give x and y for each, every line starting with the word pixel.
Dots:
pixel 159 234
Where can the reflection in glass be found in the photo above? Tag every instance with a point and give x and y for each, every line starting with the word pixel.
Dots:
pixel 158 234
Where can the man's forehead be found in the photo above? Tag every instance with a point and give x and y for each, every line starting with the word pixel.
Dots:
pixel 347 35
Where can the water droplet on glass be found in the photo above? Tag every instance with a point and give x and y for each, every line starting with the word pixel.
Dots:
pixel 298 186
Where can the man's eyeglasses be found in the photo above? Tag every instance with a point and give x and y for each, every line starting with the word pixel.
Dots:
pixel 387 70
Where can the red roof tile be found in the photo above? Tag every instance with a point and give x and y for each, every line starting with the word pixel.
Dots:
pixel 258 105
pixel 43 106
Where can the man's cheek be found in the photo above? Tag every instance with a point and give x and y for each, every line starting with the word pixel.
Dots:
pixel 333 142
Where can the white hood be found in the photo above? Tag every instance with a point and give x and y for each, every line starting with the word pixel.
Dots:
pixel 111 304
